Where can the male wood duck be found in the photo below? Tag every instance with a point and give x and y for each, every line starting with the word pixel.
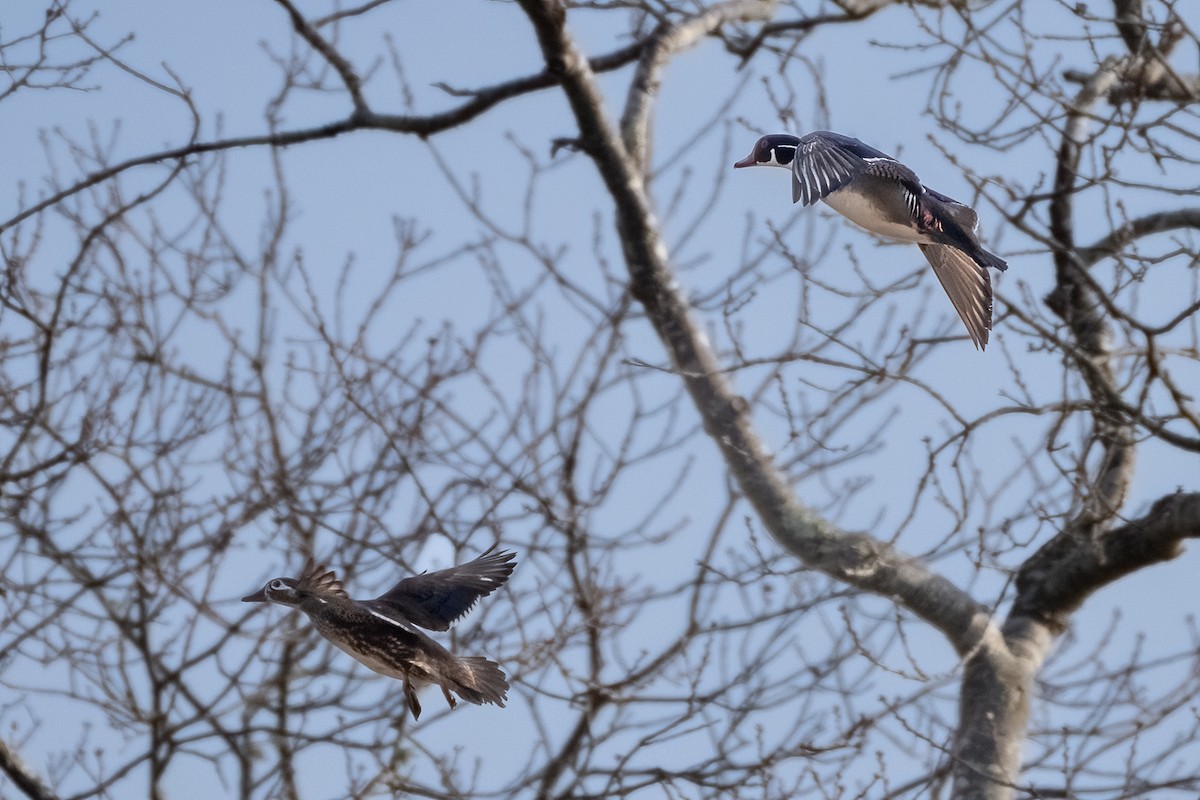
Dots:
pixel 382 633
pixel 887 198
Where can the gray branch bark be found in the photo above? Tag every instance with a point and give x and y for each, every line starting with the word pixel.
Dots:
pixel 23 776
pixel 1069 569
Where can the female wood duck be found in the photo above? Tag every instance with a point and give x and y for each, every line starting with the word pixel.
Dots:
pixel 382 633
pixel 882 195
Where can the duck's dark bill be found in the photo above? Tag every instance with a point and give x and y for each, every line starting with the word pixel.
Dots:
pixel 258 597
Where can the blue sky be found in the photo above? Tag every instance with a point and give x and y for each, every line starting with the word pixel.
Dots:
pixel 348 192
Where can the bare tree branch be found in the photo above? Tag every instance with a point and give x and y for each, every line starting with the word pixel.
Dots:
pixel 340 65
pixel 741 560
pixel 361 120
pixel 666 41
pixel 1148 225
pixel 21 775
pixel 1056 581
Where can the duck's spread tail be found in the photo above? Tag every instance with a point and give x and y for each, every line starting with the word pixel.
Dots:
pixel 986 259
pixel 479 681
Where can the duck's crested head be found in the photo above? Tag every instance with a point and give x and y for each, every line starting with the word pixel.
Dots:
pixel 314 581
pixel 772 150
pixel 277 590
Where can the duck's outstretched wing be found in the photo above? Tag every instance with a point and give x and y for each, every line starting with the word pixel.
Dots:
pixel 434 600
pixel 969 286
pixel 826 161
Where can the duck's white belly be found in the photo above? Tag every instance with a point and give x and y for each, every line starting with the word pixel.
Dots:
pixel 862 210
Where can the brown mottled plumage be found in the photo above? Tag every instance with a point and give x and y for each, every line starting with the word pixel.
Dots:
pixel 382 633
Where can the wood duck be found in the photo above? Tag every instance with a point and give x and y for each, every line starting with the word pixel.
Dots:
pixel 382 633
pixel 887 198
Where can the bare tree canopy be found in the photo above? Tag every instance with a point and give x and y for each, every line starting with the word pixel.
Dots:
pixel 385 285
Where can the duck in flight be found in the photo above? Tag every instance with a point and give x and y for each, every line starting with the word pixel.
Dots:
pixel 879 193
pixel 383 633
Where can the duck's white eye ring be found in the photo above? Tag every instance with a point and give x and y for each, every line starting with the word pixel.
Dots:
pixel 276 584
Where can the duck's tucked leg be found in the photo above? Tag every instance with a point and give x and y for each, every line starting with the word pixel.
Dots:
pixel 414 705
